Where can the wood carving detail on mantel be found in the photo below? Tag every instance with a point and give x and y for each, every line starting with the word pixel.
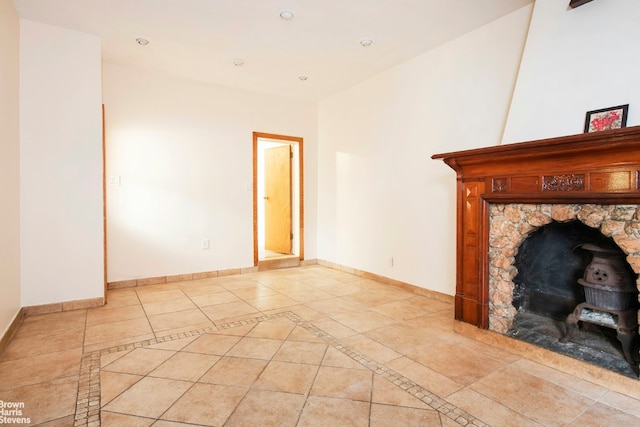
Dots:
pixel 600 167
pixel 563 182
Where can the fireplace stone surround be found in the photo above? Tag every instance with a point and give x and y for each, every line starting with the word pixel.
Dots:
pixel 506 192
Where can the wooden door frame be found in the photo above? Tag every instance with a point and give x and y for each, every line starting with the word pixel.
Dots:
pixel 290 140
pixel 104 205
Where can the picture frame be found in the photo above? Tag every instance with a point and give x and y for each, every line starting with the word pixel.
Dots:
pixel 606 118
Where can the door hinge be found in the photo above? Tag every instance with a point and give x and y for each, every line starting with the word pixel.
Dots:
pixel 291 236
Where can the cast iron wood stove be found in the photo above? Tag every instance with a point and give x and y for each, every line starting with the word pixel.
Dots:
pixel 611 298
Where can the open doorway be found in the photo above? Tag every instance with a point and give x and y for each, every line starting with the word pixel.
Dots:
pixel 278 199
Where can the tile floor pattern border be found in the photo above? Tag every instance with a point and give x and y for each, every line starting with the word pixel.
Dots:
pixel 87 412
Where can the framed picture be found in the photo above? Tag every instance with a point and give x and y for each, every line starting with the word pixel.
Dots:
pixel 606 118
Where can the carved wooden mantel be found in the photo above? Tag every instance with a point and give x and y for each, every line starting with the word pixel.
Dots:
pixel 601 167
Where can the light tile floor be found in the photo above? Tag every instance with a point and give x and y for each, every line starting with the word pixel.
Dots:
pixel 307 346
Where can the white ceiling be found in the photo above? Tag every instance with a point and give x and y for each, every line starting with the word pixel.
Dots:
pixel 199 39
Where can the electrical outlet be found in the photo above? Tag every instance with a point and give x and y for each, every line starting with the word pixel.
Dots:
pixel 205 244
pixel 391 262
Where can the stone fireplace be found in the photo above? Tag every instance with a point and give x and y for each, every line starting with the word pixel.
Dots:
pixel 504 193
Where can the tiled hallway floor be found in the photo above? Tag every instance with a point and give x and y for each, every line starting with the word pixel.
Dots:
pixel 307 346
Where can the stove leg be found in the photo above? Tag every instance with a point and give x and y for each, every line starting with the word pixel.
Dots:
pixel 571 324
pixel 626 339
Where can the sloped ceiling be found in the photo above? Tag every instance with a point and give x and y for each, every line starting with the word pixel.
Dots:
pixel 200 39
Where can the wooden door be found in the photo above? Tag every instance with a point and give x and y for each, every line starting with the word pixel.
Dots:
pixel 277 206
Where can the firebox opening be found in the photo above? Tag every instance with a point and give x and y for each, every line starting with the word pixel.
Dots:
pixel 550 262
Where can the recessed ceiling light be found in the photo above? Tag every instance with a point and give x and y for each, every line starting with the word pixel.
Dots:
pixel 142 42
pixel 366 42
pixel 238 62
pixel 286 14
pixel 303 78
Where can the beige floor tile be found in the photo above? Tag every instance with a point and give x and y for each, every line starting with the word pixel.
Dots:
pixel 369 299
pixel 600 415
pixel 168 306
pixel 229 310
pixel 267 409
pixel 305 312
pixel 26 346
pixel 164 423
pixel 112 419
pixel 276 329
pixel 533 397
pixel 405 338
pixel 386 393
pixel 233 330
pixel 236 283
pixel 162 292
pixel 271 366
pixel 108 314
pixel 140 361
pixel 271 302
pixel 115 331
pixel 89 348
pixel 335 306
pixel 256 348
pixel 429 304
pixel 38 369
pixel 337 359
pixel 64 421
pixel 337 289
pixel 468 367
pixel 122 297
pixel 308 295
pixel 176 345
pixel 428 378
pixel 222 297
pixel 301 352
pixel 212 344
pixel 399 310
pixel 554 376
pixel 149 397
pixel 363 321
pixel 390 416
pixel 196 288
pixel 287 377
pixel 622 402
pixel 114 383
pixel 488 410
pixel 184 320
pixel 45 401
pixel 380 353
pixel 326 411
pixel 253 292
pixel 185 366
pixel 334 328
pixel 301 334
pixel 235 371
pixel 205 404
pixel 52 323
pixel 106 359
pixel 343 383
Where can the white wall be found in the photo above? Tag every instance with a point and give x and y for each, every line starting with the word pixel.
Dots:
pixel 576 61
pixel 183 153
pixel 61 165
pixel 380 194
pixel 9 165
